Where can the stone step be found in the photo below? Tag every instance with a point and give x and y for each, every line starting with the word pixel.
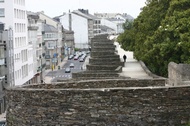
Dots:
pixel 112 58
pixel 108 63
pixel 101 36
pixel 94 75
pixel 99 48
pixel 101 40
pixel 101 43
pixel 101 67
pixel 105 56
pixel 102 53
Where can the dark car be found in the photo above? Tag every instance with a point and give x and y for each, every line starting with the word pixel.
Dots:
pixel 67 70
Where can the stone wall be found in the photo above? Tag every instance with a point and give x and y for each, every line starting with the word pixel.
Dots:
pixel 100 103
pixel 178 74
pixel 148 71
pixel 103 63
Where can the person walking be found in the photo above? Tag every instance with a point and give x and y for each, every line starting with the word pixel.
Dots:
pixel 124 57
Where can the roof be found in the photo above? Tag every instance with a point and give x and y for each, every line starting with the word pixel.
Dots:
pixel 68 31
pixel 49 28
pixel 32 15
pixel 85 14
pixel 105 28
pixel 77 12
pixel 129 17
pixel 114 19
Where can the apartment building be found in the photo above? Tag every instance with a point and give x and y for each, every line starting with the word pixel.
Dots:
pixel 13 15
pixel 6 63
pixel 35 38
pixel 53 40
pixel 69 44
pixel 84 25
pixel 68 41
pixel 114 21
pixel 51 45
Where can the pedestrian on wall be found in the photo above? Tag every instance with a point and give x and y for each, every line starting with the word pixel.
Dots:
pixel 124 57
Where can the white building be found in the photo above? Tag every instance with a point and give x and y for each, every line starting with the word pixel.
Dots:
pixel 13 14
pixel 35 39
pixel 116 24
pixel 114 20
pixel 56 37
pixel 84 26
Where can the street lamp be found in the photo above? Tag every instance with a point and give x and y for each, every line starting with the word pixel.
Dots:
pixel 41 78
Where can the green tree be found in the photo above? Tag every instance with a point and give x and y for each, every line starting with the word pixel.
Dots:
pixel 160 34
pixel 127 25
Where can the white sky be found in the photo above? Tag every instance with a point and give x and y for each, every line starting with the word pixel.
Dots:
pixel 54 8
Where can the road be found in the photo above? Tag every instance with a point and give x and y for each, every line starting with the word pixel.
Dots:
pixel 60 74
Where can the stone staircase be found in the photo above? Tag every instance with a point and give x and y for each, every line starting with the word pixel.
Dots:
pixel 104 63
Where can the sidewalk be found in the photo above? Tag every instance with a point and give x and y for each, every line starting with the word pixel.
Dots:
pixel 47 79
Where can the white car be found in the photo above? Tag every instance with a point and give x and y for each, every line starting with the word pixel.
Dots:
pixel 67 70
pixel 72 65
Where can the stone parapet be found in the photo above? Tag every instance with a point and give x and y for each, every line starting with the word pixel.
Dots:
pixel 104 102
pixel 94 74
pixel 178 74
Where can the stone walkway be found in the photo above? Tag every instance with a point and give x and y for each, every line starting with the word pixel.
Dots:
pixel 132 67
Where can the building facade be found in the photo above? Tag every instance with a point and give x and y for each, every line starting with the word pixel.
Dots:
pixel 69 44
pixel 13 15
pixel 114 21
pixel 84 25
pixel 53 40
pixel 6 63
pixel 51 46
pixel 34 27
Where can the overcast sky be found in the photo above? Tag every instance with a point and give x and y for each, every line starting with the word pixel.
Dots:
pixel 54 8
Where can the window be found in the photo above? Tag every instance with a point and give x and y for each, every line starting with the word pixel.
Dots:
pixel 2 12
pixel 1 0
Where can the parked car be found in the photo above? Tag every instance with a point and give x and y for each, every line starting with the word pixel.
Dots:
pixel 70 57
pixel 81 59
pixel 68 70
pixel 72 65
pixel 76 57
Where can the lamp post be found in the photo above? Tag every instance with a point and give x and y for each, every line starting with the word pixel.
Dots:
pixel 41 78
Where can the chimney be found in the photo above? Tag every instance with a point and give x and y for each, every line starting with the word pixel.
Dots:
pixel 70 21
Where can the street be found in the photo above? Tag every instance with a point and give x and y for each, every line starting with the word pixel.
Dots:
pixel 60 74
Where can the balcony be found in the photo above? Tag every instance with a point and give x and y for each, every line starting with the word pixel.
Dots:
pixel 32 27
pixel 2 61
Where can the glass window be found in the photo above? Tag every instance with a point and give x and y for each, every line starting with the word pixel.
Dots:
pixel 2 12
pixel 2 52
